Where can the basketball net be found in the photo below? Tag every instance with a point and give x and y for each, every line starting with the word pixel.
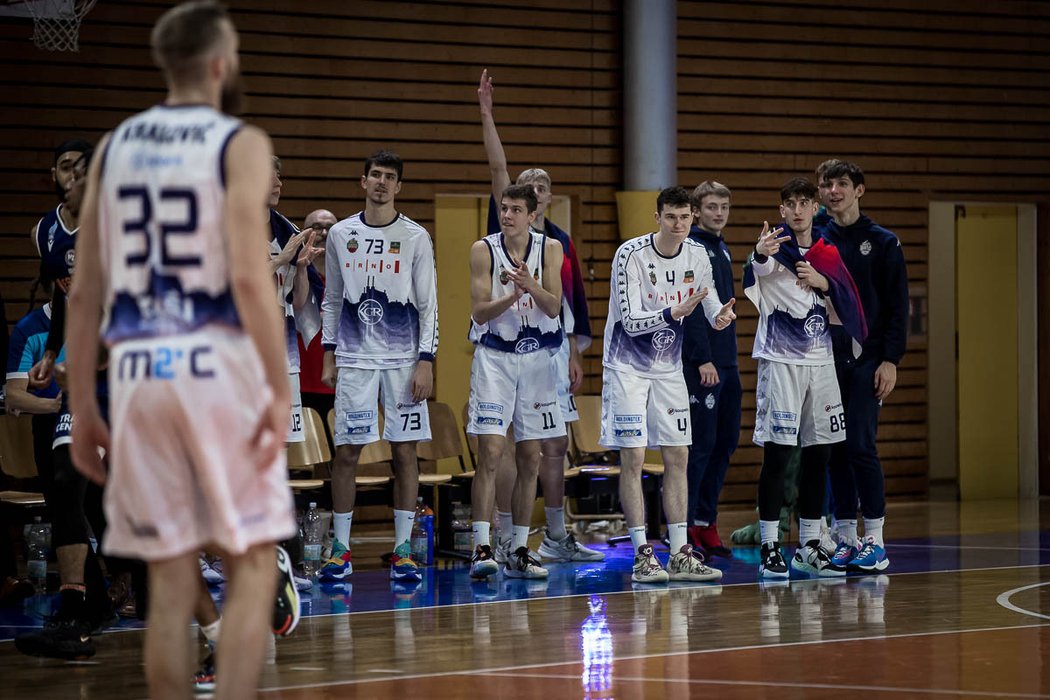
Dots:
pixel 56 23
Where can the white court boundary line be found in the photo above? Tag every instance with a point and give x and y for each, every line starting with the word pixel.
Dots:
pixel 783 684
pixel 1003 599
pixel 967 546
pixel 635 657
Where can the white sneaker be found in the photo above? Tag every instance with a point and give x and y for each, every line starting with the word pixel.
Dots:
pixel 482 565
pixel 688 565
pixel 302 584
pixel 647 567
pixel 522 565
pixel 501 552
pixel 811 558
pixel 567 549
pixel 212 576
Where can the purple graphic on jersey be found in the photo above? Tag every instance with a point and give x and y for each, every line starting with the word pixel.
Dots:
pixel 395 324
pixel 791 337
pixel 291 341
pixel 529 339
pixel 165 309
pixel 659 350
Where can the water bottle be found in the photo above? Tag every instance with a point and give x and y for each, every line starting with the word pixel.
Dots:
pixel 38 540
pixel 312 539
pixel 423 534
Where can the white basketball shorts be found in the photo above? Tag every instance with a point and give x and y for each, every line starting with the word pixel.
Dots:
pixel 798 405
pixel 644 412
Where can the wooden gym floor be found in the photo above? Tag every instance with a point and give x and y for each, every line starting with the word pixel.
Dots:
pixel 964 611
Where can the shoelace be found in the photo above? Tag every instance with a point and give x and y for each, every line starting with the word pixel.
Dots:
pixel 866 551
pixel 525 560
pixel 775 558
pixel 699 557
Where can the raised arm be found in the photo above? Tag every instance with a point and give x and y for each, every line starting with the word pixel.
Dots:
pixel 493 147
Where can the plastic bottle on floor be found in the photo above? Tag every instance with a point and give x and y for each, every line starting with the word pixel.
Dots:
pixel 38 541
pixel 312 541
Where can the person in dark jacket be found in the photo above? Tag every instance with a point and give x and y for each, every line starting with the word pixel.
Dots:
pixel 712 377
pixel 874 258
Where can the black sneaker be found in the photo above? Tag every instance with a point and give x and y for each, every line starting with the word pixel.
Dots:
pixel 286 606
pixel 773 564
pixel 61 638
pixel 204 678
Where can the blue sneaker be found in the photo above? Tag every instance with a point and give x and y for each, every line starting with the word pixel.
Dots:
pixel 840 559
pixel 402 566
pixel 338 567
pixel 870 558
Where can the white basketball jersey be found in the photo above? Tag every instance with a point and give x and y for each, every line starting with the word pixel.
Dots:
pixel 161 205
pixel 792 321
pixel 380 302
pixel 524 327
pixel 640 335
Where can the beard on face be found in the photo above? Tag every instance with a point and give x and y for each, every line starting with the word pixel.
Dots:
pixel 232 96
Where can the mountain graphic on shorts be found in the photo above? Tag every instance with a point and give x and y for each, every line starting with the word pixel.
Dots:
pixel 394 324
pixel 658 350
pixel 166 309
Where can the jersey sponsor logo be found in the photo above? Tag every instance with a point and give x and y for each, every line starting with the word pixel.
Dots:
pixel 141 161
pixel 709 401
pixel 627 432
pixel 65 424
pixel 627 419
pixel 663 339
pixel 527 345
pixel 352 245
pixel 164 363
pixel 688 276
pixel 380 266
pixel 360 415
pixel 51 235
pixel 831 407
pixel 488 420
pixel 672 411
pixel 785 430
pixel 652 276
pixel 394 247
pixel 545 404
pixel 401 405
pixel 865 247
pixel 370 312
pixel 359 430
pixel 504 276
pixel 71 258
pixel 490 407
pixel 815 326
pixel 784 415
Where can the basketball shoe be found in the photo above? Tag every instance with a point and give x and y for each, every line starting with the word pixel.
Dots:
pixel 688 565
pixel 338 567
pixel 647 567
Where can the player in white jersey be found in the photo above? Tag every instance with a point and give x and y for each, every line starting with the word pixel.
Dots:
pixel 172 243
pixel 797 400
pixel 515 291
pixel 380 335
pixel 558 543
pixel 291 253
pixel 657 280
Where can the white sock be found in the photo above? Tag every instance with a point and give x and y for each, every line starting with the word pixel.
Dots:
pixel 556 523
pixel 481 532
pixel 341 524
pixel 873 529
pixel 638 537
pixel 769 530
pixel 701 523
pixel 506 524
pixel 808 530
pixel 846 531
pixel 211 632
pixel 520 537
pixel 403 520
pixel 676 535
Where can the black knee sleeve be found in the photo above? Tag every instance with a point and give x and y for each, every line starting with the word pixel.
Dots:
pixel 771 481
pixel 813 481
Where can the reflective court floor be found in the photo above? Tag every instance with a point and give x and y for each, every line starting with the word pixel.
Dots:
pixel 963 611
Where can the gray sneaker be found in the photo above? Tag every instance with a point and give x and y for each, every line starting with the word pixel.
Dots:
pixel 501 552
pixel 522 565
pixel 567 549
pixel 688 565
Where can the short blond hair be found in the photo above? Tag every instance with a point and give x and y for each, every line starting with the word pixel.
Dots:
pixel 706 188
pixel 532 175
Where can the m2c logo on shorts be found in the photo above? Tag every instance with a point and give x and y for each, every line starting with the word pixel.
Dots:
pixel 490 407
pixel 488 420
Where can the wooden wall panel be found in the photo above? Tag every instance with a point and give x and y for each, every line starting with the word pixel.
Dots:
pixel 944 98
pixel 937 99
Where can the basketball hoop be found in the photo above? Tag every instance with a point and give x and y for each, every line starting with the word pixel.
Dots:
pixel 56 23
